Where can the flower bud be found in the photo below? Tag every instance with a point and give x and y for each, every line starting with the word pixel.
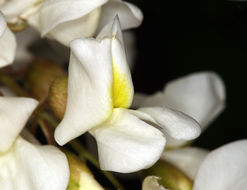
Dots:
pixel 40 75
pixel 18 26
pixel 170 176
pixel 58 96
pixel 80 176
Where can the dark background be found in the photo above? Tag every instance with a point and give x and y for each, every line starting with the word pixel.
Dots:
pixel 178 38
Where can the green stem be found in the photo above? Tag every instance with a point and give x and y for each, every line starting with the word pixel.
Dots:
pixel 84 153
pixel 8 81
pixel 47 131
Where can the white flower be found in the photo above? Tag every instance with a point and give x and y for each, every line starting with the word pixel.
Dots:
pixel 199 95
pixel 66 20
pixel 7 43
pixel 25 166
pixel 222 169
pixel 100 90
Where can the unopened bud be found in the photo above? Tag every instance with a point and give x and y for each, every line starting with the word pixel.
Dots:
pixel 40 75
pixel 80 176
pixel 170 177
pixel 18 26
pixel 152 183
pixel 58 96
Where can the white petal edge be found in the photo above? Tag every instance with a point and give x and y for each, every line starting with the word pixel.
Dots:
pixel 89 101
pixel 224 168
pixel 15 112
pixel 130 16
pixel 7 43
pixel 152 183
pixel 171 122
pixel 28 167
pixel 127 144
pixel 200 95
pixel 188 159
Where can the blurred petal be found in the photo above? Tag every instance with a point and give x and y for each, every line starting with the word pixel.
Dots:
pixel 130 16
pixel 24 40
pixel 171 122
pixel 14 8
pixel 90 81
pixel 82 15
pixel 14 115
pixel 152 183
pixel 187 160
pixel 7 43
pixel 224 168
pixel 27 167
pixel 127 144
pixel 199 95
pixel 7 91
pixel 130 47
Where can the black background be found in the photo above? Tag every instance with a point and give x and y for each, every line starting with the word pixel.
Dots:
pixel 178 38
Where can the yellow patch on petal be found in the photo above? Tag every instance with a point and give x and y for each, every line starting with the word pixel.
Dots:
pixel 122 89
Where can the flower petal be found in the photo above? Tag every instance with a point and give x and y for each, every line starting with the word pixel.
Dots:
pixel 25 39
pixel 224 168
pixel 123 89
pixel 14 8
pixel 199 95
pixel 7 43
pixel 82 15
pixel 14 115
pixel 90 81
pixel 127 144
pixel 27 167
pixel 173 123
pixel 152 183
pixel 186 159
pixel 130 16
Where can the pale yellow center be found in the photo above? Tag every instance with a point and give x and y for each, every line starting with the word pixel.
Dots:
pixel 122 91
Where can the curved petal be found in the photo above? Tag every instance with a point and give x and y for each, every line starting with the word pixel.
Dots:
pixel 14 115
pixel 199 95
pixel 28 167
pixel 7 43
pixel 123 89
pixel 82 15
pixel 90 81
pixel 152 183
pixel 224 168
pixel 188 159
pixel 130 16
pixel 173 123
pixel 127 144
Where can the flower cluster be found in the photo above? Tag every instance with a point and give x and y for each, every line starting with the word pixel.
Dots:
pixel 96 96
